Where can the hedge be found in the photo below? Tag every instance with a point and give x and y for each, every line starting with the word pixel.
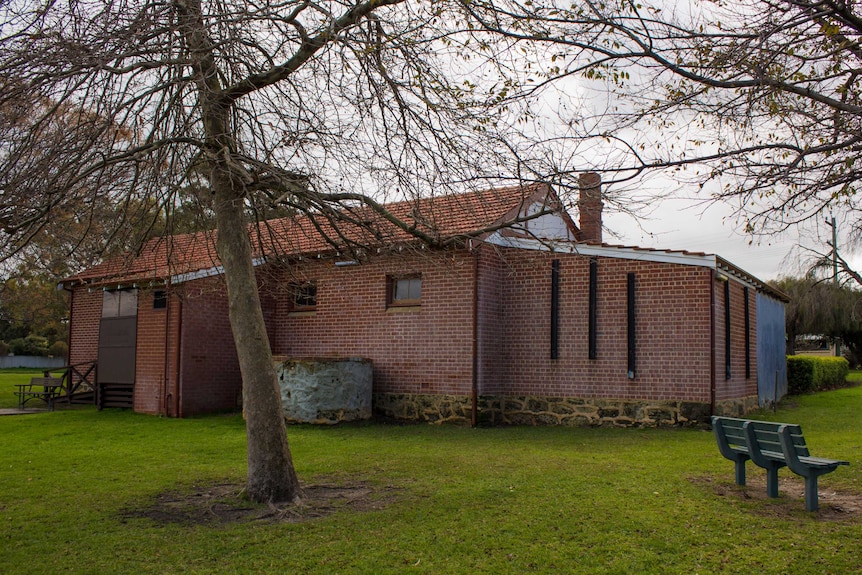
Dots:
pixel 806 374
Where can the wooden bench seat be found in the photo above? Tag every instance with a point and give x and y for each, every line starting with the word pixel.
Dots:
pixel 771 445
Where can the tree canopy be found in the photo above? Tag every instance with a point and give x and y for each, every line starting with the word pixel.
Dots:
pixel 757 102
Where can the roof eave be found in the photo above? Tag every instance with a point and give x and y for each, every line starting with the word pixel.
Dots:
pixel 739 273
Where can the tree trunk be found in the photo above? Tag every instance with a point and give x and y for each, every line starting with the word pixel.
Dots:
pixel 271 476
pixel 791 343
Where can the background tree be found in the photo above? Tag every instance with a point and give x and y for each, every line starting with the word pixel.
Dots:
pixel 811 310
pixel 823 308
pixel 31 305
pixel 847 325
pixel 757 102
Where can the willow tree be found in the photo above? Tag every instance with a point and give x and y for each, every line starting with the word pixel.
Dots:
pixel 304 106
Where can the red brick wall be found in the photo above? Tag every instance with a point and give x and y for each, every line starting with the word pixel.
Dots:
pixel 84 328
pixel 491 321
pixel 429 350
pixel 422 350
pixel 150 355
pixel 155 355
pixel 210 378
pixel 672 327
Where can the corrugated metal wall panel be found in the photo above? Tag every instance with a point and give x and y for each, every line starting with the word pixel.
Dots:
pixel 771 353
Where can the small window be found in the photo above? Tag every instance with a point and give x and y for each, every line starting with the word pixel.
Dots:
pixel 120 303
pixel 304 296
pixel 405 291
pixel 160 299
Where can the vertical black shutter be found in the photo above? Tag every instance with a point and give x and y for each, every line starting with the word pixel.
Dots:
pixel 630 316
pixel 747 334
pixel 593 311
pixel 555 309
pixel 727 371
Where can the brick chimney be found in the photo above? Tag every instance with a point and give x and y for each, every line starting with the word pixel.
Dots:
pixel 590 207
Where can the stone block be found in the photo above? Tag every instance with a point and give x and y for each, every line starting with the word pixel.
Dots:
pixel 694 413
pixel 325 390
pixel 661 415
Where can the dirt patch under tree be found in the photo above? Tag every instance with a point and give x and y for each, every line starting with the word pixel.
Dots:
pixel 224 503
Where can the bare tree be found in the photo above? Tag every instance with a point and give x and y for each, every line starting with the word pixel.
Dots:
pixel 311 107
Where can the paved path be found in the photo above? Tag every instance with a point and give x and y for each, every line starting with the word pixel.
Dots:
pixel 16 411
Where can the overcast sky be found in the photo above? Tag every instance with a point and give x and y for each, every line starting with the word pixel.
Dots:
pixel 681 225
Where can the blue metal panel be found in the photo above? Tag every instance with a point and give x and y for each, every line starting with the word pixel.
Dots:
pixel 771 352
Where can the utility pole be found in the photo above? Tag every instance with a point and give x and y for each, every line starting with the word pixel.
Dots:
pixel 834 248
pixel 834 226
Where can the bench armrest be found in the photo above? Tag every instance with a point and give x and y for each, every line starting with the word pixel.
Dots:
pixel 723 445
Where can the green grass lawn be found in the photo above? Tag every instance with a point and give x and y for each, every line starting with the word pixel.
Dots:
pixel 448 499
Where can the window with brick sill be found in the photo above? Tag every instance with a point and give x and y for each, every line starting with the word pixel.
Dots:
pixel 304 296
pixel 404 291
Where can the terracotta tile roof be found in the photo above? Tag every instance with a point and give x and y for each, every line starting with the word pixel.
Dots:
pixel 436 219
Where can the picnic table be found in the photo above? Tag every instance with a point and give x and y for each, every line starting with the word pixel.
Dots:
pixel 45 389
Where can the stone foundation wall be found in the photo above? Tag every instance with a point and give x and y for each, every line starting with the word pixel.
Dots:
pixel 547 410
pixel 419 407
pixel 738 407
pixel 593 412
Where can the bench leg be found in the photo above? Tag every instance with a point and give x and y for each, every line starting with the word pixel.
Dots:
pixel 772 482
pixel 740 472
pixel 811 503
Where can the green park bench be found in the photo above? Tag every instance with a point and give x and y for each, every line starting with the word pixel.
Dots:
pixel 771 445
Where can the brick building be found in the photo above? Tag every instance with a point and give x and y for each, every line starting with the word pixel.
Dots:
pixel 531 320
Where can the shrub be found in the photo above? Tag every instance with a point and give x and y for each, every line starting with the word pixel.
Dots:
pixel 58 349
pixel 30 345
pixel 4 348
pixel 800 374
pixel 833 372
pixel 806 374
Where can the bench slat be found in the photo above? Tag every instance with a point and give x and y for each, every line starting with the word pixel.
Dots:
pixel 821 461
